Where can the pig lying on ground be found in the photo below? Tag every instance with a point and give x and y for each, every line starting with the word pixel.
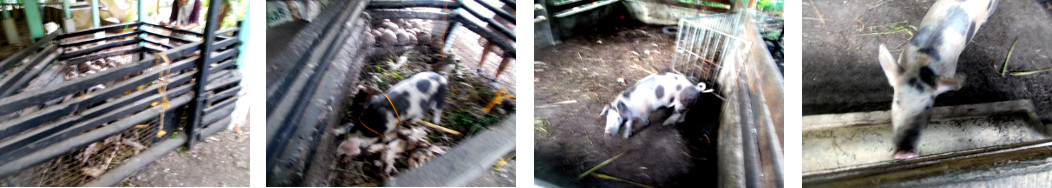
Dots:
pixel 926 69
pixel 660 90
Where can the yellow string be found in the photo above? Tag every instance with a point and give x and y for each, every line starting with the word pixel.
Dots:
pixel 163 77
pixel 396 115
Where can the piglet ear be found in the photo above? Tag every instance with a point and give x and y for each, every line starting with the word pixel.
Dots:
pixel 949 84
pixel 605 108
pixel 891 68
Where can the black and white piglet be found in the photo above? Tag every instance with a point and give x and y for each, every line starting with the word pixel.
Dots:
pixel 656 91
pixel 411 98
pixel 927 66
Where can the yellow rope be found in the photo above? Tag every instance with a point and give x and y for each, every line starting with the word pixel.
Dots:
pixel 392 107
pixel 163 77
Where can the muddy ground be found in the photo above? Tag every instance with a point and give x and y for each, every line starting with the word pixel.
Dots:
pixel 569 137
pixel 841 72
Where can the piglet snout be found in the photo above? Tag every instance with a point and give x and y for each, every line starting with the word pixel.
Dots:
pixel 899 155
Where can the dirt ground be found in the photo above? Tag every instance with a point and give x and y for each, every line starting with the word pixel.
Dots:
pixel 221 160
pixel 569 137
pixel 841 38
pixel 496 177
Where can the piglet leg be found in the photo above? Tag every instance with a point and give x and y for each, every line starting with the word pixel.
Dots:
pixel 628 128
pixel 673 119
pixel 437 117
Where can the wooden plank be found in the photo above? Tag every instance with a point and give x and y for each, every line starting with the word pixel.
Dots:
pixel 223 94
pixel 226 31
pixel 46 130
pixel 21 55
pixel 216 57
pixel 27 75
pixel 222 104
pixel 389 4
pixel 151 41
pixel 501 42
pixel 212 85
pixel 74 143
pixel 93 49
pixel 26 99
pixel 217 112
pixel 20 72
pixel 167 36
pixel 81 59
pixel 94 30
pixel 226 43
pixel 41 117
pixel 500 12
pixel 224 65
pixel 86 41
pixel 492 23
pixel 85 123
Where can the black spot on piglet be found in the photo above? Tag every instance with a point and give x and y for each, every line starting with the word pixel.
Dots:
pixel 660 91
pixel 423 85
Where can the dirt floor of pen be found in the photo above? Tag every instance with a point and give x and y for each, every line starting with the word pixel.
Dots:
pixel 569 135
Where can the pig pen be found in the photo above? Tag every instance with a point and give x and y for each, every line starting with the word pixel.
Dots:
pixel 367 63
pixel 91 107
pixel 576 78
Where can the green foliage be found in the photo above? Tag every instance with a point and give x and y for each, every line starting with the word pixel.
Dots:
pixel 770 5
pixel 468 122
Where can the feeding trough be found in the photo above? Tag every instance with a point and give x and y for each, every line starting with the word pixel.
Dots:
pixel 87 107
pixel 310 100
pixel 960 146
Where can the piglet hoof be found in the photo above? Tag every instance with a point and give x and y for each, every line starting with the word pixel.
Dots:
pixel 900 155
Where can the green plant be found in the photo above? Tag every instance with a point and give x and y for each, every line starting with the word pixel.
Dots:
pixel 468 122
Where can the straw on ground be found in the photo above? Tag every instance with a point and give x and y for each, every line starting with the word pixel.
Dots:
pixel 1004 68
pixel 604 163
pixel 604 176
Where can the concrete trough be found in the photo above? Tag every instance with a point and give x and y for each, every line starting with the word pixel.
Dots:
pixel 962 145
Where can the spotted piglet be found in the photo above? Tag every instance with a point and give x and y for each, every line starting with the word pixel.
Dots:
pixel 656 91
pixel 926 68
pixel 411 98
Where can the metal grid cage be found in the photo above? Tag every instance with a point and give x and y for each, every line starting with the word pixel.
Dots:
pixel 87 163
pixel 704 43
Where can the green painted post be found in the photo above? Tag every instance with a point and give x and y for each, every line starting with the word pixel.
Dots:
pixel 65 8
pixel 6 14
pixel 95 14
pixel 36 28
pixel 142 15
pixel 242 34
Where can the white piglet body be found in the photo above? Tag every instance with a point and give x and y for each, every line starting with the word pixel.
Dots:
pixel 662 90
pixel 927 66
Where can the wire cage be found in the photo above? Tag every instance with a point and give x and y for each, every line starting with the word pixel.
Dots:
pixel 704 43
pixel 89 162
